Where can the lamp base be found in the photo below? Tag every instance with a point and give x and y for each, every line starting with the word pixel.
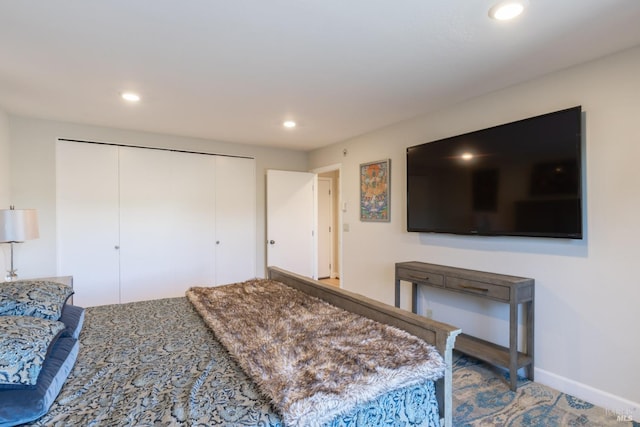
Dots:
pixel 11 275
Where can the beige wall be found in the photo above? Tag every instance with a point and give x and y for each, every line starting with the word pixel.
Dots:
pixel 33 175
pixel 4 161
pixel 587 291
pixel 5 188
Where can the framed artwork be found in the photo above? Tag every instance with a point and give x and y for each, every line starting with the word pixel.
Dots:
pixel 375 192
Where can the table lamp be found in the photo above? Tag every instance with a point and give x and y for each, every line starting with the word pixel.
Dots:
pixel 16 226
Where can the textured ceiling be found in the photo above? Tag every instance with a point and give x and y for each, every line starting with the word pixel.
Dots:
pixel 233 70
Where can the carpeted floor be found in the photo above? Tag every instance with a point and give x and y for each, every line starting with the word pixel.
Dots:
pixel 481 397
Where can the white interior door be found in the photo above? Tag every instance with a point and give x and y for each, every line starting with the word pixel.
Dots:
pixel 235 219
pixel 291 221
pixel 167 217
pixel 87 220
pixel 325 231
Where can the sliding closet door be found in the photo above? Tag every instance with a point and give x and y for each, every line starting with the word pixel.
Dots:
pixel 87 220
pixel 137 224
pixel 167 221
pixel 235 219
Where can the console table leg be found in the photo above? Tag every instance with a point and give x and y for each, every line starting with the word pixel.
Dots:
pixel 513 346
pixel 414 298
pixel 530 336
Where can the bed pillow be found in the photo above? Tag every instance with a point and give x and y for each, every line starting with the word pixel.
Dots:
pixel 73 319
pixel 24 405
pixel 24 344
pixel 38 298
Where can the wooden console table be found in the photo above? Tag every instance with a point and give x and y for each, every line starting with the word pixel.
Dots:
pixel 497 287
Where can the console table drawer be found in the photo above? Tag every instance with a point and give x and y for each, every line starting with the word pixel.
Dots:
pixel 488 290
pixel 421 277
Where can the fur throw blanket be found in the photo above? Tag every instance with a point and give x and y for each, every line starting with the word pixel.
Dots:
pixel 313 360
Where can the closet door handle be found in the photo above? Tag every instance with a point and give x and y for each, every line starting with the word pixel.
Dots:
pixel 116 247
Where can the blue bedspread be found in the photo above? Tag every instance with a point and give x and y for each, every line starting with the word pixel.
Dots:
pixel 157 363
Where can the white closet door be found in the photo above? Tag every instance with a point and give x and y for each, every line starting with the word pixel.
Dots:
pixel 87 220
pixel 167 220
pixel 235 219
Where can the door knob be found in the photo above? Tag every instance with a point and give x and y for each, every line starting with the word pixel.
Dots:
pixel 272 242
pixel 116 247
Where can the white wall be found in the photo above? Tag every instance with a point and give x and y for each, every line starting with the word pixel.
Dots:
pixel 587 292
pixel 33 176
pixel 5 199
pixel 4 161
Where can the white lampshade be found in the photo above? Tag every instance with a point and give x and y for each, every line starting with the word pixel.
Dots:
pixel 18 225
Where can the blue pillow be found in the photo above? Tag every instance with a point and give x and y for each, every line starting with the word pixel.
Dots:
pixel 73 319
pixel 21 406
pixel 24 344
pixel 36 298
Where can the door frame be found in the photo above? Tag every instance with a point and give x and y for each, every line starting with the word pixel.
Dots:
pixel 332 221
pixel 330 168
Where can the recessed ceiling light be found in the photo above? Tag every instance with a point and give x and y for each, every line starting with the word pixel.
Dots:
pixel 508 9
pixel 130 96
pixel 467 156
pixel 289 124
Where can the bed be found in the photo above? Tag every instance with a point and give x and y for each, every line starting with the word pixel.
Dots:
pixel 161 362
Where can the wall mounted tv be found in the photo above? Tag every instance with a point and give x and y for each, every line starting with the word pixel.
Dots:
pixel 517 179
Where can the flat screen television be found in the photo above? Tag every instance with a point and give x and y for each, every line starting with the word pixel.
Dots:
pixel 517 179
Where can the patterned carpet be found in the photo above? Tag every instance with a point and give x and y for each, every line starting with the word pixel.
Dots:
pixel 481 397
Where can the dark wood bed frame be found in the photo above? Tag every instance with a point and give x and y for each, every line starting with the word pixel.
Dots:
pixel 440 335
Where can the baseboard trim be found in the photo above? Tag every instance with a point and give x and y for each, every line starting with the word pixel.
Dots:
pixel 620 408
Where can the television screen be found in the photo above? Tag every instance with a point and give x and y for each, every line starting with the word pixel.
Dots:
pixel 517 179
